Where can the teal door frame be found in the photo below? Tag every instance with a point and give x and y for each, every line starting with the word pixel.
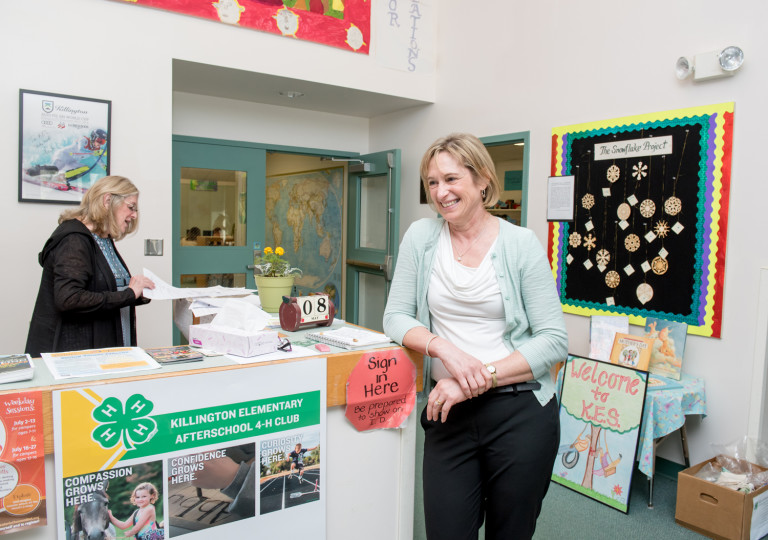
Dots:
pixel 362 260
pixel 510 138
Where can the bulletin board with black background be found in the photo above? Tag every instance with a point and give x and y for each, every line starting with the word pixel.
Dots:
pixel 648 236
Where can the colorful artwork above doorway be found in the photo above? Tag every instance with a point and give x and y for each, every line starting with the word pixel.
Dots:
pixel 340 23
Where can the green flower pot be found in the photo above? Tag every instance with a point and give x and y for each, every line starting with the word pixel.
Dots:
pixel 271 291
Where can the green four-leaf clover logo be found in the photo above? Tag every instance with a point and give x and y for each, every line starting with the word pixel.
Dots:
pixel 130 425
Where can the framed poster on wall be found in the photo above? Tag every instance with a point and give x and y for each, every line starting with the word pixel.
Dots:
pixel 64 144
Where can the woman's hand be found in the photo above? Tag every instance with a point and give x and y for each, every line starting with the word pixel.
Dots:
pixel 470 373
pixel 443 396
pixel 139 283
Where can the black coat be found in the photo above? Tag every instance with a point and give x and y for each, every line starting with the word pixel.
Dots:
pixel 78 304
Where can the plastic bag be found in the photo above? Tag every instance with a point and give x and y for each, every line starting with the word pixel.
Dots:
pixel 739 465
pixel 741 455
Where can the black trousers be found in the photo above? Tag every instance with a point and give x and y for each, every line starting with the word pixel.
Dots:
pixel 493 458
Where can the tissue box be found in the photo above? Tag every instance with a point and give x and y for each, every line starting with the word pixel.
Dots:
pixel 233 340
pixel 718 511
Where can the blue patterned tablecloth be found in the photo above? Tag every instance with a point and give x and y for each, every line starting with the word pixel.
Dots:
pixel 665 412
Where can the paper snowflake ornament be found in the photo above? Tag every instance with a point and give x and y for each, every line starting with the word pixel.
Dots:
pixel 661 228
pixel 639 171
pixel 613 173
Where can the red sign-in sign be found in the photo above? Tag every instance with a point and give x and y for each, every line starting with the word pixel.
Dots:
pixel 381 390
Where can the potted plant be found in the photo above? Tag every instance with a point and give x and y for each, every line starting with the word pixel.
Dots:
pixel 274 278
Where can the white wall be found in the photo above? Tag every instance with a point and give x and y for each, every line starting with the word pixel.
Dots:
pixel 533 66
pixel 121 52
pixel 219 118
pixel 503 67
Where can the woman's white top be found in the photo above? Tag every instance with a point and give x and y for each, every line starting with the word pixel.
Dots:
pixel 465 306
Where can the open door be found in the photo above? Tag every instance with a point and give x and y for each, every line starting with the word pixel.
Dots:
pixel 218 202
pixel 373 217
pixel 216 189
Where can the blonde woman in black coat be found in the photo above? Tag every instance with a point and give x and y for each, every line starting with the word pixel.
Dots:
pixel 87 295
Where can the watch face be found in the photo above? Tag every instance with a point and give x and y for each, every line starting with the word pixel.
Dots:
pixel 492 369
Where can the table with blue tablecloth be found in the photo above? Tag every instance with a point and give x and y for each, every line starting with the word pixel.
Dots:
pixel 664 413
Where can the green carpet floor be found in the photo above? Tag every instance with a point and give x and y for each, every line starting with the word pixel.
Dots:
pixel 567 514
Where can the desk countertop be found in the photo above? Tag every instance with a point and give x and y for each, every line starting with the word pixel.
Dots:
pixel 341 362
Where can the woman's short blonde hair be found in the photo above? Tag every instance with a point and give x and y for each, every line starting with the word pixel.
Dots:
pixel 470 152
pixel 102 218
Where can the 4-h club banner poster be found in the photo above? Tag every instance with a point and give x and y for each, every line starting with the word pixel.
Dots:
pixel 601 410
pixel 225 453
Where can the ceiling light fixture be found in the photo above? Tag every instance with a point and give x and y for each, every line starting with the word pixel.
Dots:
pixel 710 65
pixel 291 94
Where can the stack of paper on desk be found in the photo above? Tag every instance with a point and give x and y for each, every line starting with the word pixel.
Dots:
pixel 16 367
pixel 350 338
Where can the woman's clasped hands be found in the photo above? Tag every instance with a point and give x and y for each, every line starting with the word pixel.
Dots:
pixel 470 378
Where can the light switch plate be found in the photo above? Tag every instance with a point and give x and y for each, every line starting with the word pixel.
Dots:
pixel 153 247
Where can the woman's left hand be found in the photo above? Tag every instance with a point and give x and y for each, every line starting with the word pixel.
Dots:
pixel 443 396
pixel 139 283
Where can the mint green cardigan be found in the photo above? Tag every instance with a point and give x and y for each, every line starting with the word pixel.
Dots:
pixel 534 317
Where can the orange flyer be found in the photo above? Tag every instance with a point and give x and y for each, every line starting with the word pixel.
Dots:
pixel 22 462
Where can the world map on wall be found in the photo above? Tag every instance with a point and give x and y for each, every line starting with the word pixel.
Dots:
pixel 303 216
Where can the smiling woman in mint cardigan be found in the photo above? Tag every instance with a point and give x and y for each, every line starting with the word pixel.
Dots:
pixel 476 294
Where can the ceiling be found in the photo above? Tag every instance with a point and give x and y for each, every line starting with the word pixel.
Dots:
pixel 228 83
pixel 223 82
pixel 506 152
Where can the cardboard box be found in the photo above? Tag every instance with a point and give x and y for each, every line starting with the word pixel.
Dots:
pixel 184 318
pixel 233 340
pixel 717 511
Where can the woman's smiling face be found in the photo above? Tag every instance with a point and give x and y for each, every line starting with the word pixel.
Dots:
pixel 453 189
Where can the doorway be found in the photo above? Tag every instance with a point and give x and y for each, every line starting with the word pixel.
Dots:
pixel 233 199
pixel 372 243
pixel 510 154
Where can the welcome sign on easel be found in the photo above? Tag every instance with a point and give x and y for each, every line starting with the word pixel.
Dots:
pixel 601 410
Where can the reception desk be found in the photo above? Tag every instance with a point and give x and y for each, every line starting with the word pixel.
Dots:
pixel 354 461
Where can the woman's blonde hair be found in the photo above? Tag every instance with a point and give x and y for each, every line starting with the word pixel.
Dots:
pixel 149 488
pixel 101 218
pixel 469 151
